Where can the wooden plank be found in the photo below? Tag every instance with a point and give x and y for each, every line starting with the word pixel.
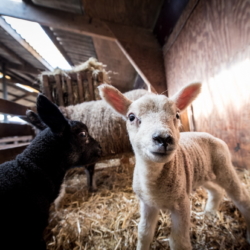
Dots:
pixel 109 53
pixel 215 50
pixel 11 108
pixel 16 139
pixel 80 87
pixel 130 13
pixel 168 17
pixel 14 145
pixel 176 30
pixel 46 88
pixel 22 42
pixel 55 18
pixel 74 6
pixel 144 53
pixel 10 153
pixel 24 68
pixel 12 53
pixel 59 90
pixel 69 90
pixel 90 83
pixel 11 129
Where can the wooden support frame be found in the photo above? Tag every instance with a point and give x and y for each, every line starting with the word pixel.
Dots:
pixel 22 42
pixel 144 53
pixel 11 108
pixel 26 67
pixel 10 129
pixel 55 18
pixel 139 45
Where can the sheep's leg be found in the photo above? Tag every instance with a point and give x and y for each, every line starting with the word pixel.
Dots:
pixel 180 215
pixel 90 171
pixel 147 224
pixel 215 196
pixel 237 192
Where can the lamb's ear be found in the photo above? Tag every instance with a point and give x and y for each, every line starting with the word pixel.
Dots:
pixel 51 115
pixel 114 98
pixel 34 119
pixel 186 95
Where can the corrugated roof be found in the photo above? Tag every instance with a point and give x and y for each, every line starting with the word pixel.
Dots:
pixel 17 48
pixel 78 47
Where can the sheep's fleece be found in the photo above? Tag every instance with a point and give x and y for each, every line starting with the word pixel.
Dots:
pixel 105 125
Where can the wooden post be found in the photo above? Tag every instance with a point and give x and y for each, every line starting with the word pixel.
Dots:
pixel 5 93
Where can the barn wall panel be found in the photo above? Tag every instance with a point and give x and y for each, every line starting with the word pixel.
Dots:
pixel 213 48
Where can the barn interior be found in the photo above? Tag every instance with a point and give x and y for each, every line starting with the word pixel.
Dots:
pixel 162 44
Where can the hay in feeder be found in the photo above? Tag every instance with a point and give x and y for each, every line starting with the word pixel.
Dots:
pixel 108 219
pixel 70 87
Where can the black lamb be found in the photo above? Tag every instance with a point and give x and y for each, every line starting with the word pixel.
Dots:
pixel 33 119
pixel 31 182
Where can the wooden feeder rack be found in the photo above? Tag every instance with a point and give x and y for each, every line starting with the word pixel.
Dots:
pixel 75 86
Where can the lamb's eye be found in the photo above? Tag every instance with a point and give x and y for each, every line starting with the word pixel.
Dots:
pixel 131 117
pixel 83 134
pixel 177 116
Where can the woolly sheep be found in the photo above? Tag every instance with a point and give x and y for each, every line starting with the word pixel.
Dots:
pixel 31 182
pixel 169 164
pixel 107 127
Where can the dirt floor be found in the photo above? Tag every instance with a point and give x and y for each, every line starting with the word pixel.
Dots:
pixel 108 218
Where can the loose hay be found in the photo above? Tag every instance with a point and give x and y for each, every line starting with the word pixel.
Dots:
pixel 108 219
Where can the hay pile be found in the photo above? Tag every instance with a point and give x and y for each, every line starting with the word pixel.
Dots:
pixel 108 219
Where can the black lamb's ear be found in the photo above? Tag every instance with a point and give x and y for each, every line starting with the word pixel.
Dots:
pixel 51 115
pixel 34 119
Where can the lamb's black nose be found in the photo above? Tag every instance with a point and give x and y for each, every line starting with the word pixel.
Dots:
pixel 162 140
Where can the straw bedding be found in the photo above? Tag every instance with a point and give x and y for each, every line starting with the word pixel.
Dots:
pixel 108 218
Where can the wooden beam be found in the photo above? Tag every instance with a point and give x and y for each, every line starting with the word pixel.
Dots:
pixel 11 83
pixel 10 129
pixel 51 35
pixel 21 41
pixel 170 13
pixel 11 108
pixel 55 18
pixel 11 53
pixel 20 78
pixel 138 44
pixel 10 153
pixel 23 68
pixel 20 97
pixel 144 53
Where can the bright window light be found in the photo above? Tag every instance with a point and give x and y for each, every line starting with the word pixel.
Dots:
pixel 6 76
pixel 28 88
pixel 12 119
pixel 34 34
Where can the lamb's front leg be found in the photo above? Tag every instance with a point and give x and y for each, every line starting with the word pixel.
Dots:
pixel 180 215
pixel 146 228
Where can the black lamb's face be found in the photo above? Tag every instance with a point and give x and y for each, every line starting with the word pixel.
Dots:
pixel 84 149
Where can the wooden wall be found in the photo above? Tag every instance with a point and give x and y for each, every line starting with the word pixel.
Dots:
pixel 212 46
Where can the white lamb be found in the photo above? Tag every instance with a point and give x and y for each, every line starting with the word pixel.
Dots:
pixel 170 164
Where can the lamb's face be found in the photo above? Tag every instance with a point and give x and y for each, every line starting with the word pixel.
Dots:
pixel 153 125
pixel 84 149
pixel 153 120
